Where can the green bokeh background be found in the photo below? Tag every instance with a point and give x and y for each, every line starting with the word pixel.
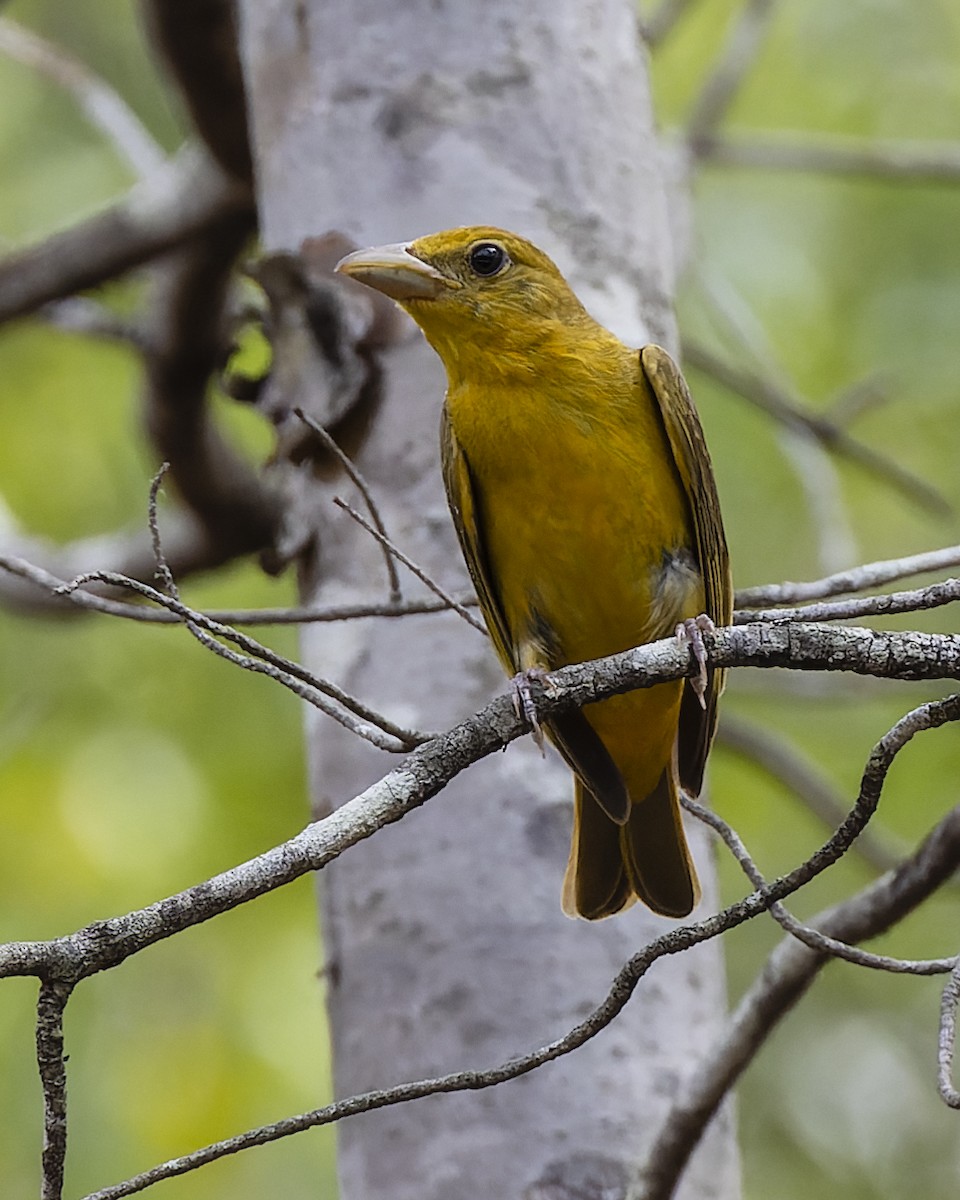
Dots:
pixel 133 763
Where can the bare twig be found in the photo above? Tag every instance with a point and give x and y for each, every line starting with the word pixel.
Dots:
pixel 103 107
pixel 935 595
pixel 811 937
pixel 722 84
pixel 857 579
pixel 948 1038
pixel 787 975
pixel 181 201
pixel 774 400
pixel 53 586
pixel 53 1078
pixel 348 465
pixel 412 567
pixel 893 161
pixel 371 726
pixel 774 754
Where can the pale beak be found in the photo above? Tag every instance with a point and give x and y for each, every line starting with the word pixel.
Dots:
pixel 396 272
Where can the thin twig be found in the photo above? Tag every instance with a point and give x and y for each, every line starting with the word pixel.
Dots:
pixel 622 988
pixel 348 465
pixel 786 976
pixel 412 566
pixel 935 595
pixel 773 753
pixel 54 585
pixel 948 1039
pixel 857 579
pixel 810 936
pixel 101 105
pixel 53 1078
pixel 164 574
pixel 260 659
pixel 769 396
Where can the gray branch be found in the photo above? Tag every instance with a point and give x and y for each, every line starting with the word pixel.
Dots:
pixel 622 988
pixel 787 975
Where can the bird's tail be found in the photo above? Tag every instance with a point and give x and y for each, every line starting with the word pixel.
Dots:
pixel 647 857
pixel 656 857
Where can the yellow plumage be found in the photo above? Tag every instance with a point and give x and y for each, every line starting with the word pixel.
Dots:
pixel 582 494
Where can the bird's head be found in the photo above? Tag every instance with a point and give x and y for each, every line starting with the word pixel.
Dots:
pixel 473 289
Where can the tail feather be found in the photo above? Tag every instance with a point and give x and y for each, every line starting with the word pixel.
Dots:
pixel 595 884
pixel 655 854
pixel 610 865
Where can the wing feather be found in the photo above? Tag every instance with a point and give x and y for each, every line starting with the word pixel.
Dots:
pixel 464 508
pixel 685 435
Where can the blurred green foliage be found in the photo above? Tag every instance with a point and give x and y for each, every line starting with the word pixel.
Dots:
pixel 132 763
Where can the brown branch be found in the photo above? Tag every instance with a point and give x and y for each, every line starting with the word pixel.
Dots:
pixel 768 396
pixel 831 154
pixel 187 198
pixel 198 42
pixel 53 1078
pixel 29 588
pixel 85 316
pixel 237 512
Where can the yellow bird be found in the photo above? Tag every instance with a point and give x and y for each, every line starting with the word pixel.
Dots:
pixel 584 500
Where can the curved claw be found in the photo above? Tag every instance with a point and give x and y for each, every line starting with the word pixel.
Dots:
pixel 691 631
pixel 523 703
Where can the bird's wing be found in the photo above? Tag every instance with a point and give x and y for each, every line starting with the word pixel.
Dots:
pixel 697 724
pixel 463 501
pixel 570 732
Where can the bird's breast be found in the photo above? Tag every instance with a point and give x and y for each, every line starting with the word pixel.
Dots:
pixel 583 520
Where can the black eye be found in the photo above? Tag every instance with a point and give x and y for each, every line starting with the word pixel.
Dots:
pixel 487 258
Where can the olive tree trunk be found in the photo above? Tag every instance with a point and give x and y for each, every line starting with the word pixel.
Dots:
pixel 444 934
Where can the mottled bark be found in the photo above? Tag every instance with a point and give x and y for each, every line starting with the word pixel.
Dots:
pixel 446 942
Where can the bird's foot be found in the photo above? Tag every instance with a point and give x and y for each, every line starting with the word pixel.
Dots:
pixel 523 703
pixel 691 631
